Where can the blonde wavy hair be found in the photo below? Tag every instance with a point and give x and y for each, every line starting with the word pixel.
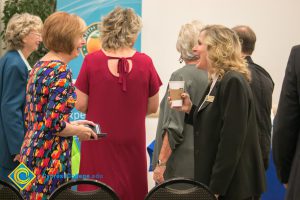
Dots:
pixel 18 27
pixel 119 28
pixel 224 50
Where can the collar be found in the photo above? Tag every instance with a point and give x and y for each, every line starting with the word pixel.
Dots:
pixel 24 60
pixel 249 59
pixel 214 77
pixel 208 97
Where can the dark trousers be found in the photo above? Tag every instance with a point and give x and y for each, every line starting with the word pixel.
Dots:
pixel 4 172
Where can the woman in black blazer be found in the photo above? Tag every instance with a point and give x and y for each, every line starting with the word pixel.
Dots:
pixel 227 152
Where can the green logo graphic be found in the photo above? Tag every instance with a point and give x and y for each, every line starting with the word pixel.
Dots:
pixel 92 39
pixel 21 176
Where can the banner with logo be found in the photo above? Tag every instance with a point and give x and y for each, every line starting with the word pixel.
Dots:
pixel 91 11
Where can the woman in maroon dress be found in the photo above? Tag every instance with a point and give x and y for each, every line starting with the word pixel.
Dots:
pixel 117 87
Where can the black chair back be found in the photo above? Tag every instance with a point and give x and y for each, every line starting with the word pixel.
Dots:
pixel 180 189
pixel 9 192
pixel 64 192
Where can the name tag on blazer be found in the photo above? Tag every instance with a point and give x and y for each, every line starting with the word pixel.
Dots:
pixel 209 98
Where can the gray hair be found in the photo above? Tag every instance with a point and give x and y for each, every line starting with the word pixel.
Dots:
pixel 18 27
pixel 187 39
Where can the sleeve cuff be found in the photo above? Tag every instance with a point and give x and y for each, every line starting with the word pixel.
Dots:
pixel 60 126
pixel 189 117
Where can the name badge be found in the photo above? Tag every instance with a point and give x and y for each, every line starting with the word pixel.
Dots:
pixel 210 98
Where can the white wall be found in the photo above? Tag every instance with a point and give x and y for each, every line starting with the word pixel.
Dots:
pixel 276 24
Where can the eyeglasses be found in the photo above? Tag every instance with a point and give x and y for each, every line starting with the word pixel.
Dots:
pixel 36 34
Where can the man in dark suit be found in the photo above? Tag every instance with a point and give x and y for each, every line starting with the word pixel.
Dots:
pixel 262 87
pixel 286 143
pixel 14 68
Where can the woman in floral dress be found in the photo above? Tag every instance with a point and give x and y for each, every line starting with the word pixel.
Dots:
pixel 49 100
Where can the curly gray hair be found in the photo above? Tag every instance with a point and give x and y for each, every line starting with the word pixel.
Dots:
pixel 19 26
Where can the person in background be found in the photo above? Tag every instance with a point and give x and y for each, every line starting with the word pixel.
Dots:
pixel 117 87
pixel 50 98
pixel 174 143
pixel 286 147
pixel 262 87
pixel 22 37
pixel 227 154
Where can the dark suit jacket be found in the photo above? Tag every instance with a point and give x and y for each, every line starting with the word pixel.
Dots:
pixel 262 87
pixel 286 144
pixel 227 153
pixel 13 79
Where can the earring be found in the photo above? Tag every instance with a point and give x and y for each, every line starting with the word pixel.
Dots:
pixel 180 60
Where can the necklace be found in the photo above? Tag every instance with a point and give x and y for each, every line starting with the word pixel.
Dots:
pixel 58 56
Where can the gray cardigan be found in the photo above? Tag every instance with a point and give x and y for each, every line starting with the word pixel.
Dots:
pixel 181 138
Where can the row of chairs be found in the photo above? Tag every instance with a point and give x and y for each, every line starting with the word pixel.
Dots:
pixel 173 189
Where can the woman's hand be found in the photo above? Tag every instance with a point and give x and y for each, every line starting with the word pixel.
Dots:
pixel 85 133
pixel 186 103
pixel 83 122
pixel 17 158
pixel 158 174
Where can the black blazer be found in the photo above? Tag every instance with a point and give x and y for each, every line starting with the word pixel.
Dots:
pixel 262 87
pixel 227 153
pixel 286 144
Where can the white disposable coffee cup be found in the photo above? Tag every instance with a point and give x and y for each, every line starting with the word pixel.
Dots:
pixel 176 88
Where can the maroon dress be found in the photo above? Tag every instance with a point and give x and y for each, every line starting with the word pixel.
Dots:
pixel 119 105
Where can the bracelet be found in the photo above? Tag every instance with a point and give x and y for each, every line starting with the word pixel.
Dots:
pixel 161 164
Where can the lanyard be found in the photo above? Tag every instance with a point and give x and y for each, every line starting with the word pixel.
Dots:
pixel 215 78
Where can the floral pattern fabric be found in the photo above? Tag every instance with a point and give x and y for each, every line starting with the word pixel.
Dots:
pixel 49 100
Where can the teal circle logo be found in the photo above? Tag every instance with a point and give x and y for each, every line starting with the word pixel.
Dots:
pixel 21 176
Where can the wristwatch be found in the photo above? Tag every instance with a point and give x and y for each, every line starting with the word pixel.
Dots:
pixel 160 163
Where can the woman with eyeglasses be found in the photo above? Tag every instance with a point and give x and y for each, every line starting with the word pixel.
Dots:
pixel 22 37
